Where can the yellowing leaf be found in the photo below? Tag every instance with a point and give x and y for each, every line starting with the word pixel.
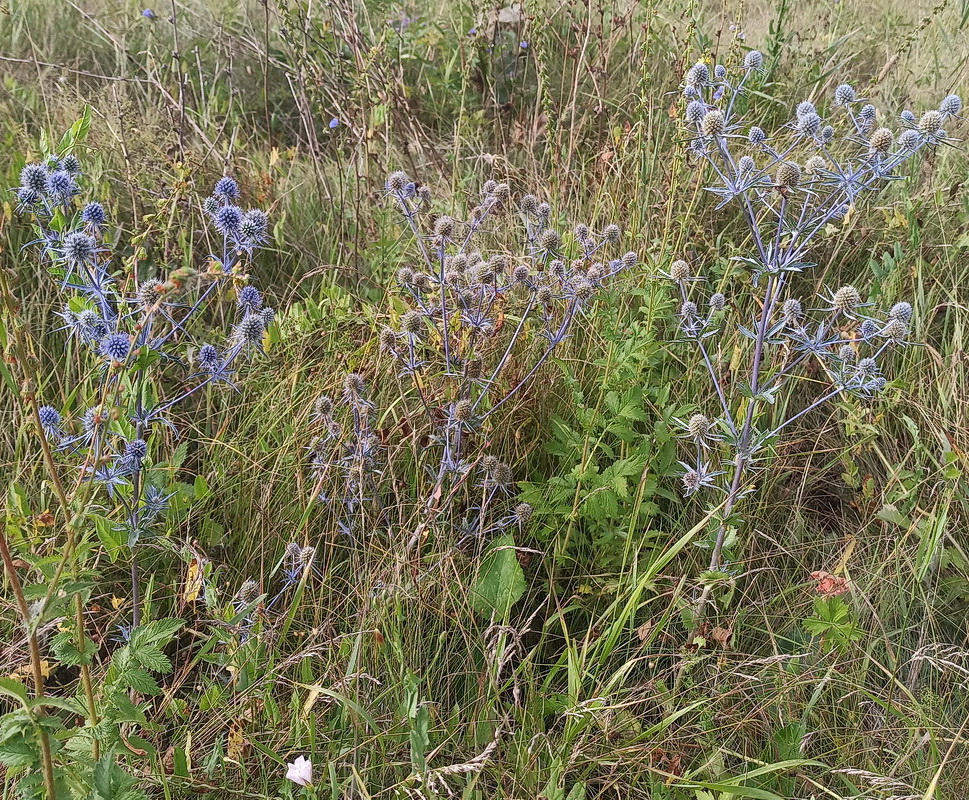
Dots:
pixel 193 582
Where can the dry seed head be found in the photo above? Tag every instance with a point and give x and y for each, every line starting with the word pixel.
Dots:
pixel 688 309
pixel 718 301
pixel 881 140
pixel 523 513
pixel 713 123
pixel 388 339
pixel 679 270
pixel 549 240
pixel 815 164
pixel 521 274
pixel 405 275
pixel 489 186
pixel 544 295
pixel 463 410
pixel 529 204
pixel 896 330
pixel 444 226
pixel 412 323
pixel 584 290
pixel 847 298
pixel 612 233
pixel 582 232
pixel 698 426
pixel 930 123
pixel 788 175
pixel 630 259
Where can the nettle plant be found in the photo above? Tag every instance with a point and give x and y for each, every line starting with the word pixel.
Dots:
pixel 143 346
pixel 789 186
pixel 479 318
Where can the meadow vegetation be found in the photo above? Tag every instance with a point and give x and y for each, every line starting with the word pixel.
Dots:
pixel 425 400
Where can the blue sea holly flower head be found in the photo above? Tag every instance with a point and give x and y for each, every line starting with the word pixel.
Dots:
pixel 228 219
pixel 226 190
pixel 34 178
pixel 94 216
pixel 61 186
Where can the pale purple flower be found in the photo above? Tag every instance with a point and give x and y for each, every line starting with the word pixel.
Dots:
pixel 300 772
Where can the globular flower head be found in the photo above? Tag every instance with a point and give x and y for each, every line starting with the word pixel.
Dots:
pixel 951 105
pixel 397 182
pixel 717 301
pixel 354 386
pixel 115 347
pixel 809 124
pixel 867 366
pixel 612 232
pixel 529 204
pixel 268 314
pixel 868 113
pixel 688 309
pixel 523 513
pixel 405 275
pixel 815 164
pixel 248 592
pixel 323 407
pixel 94 419
pixel 78 248
pixel 881 140
pixel 226 190
pixel 788 175
pixel 50 418
pixel 745 165
pixel 792 311
pixel 521 274
pixel 695 111
pixel 896 330
pixel 804 108
pixel 697 75
pixel 444 226
pixel 136 450
pixel 208 357
pixel 254 226
pixel 753 60
pixel 250 329
pixel 909 139
pixel 70 164
pixel 584 290
pixel 549 241
pixel 827 134
pixel 93 215
pixel 629 260
pixel 544 295
pixel 463 410
pixel 34 177
pixel 756 135
pixel 844 94
pixel 846 299
pixel 901 310
pixel 680 270
pixel 28 198
pixel 847 353
pixel 868 329
pixel 698 426
pixel 713 123
pixel 149 293
pixel 692 482
pixel 211 206
pixel 907 116
pixel 412 323
pixel 249 298
pixel 720 72
pixel 228 219
pixel 930 123
pixel 61 186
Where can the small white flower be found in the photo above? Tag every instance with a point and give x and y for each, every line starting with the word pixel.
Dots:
pixel 300 772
